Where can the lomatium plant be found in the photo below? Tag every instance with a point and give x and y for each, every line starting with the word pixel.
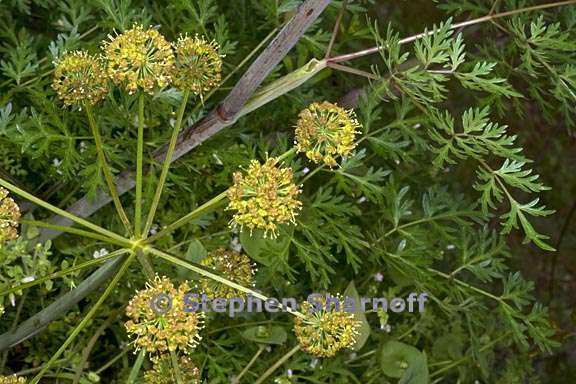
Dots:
pixel 180 183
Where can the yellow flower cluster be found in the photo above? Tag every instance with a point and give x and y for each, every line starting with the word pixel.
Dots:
pixel 139 59
pixel 12 380
pixel 264 197
pixel 325 131
pixel 325 332
pixel 158 331
pixel 9 216
pixel 162 371
pixel 198 66
pixel 79 78
pixel 232 265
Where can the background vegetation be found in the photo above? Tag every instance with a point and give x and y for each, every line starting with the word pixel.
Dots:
pixel 439 195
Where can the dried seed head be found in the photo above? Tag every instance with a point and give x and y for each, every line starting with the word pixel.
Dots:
pixel 159 331
pixel 9 216
pixel 12 380
pixel 325 331
pixel 162 371
pixel 232 265
pixel 139 59
pixel 264 197
pixel 79 78
pixel 198 66
pixel 325 131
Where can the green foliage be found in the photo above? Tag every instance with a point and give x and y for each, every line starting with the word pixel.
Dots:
pixel 443 194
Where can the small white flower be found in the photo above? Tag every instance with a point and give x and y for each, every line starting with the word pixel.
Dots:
pixel 450 247
pixel 154 229
pixel 289 373
pixel 100 253
pixel 417 125
pixel 386 328
pixel 378 277
pixel 56 163
pixel 83 146
pixel 362 199
pixel 28 279
pixel 305 170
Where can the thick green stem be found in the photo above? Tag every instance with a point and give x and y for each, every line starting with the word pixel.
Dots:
pixel 166 164
pixel 276 365
pixel 139 167
pixel 106 169
pixel 61 212
pixel 146 264
pixel 176 367
pixel 189 217
pixel 76 231
pixel 85 320
pixel 136 367
pixel 202 271
pixel 64 272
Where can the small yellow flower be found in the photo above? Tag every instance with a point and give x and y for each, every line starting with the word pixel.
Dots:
pixel 79 78
pixel 9 216
pixel 264 197
pixel 325 331
pixel 162 371
pixel 139 59
pixel 12 380
pixel 232 265
pixel 159 321
pixel 198 66
pixel 325 131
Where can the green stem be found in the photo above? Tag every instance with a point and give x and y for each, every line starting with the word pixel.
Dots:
pixel 85 320
pixel 146 263
pixel 276 365
pixel 312 173
pixel 464 359
pixel 112 361
pixel 236 380
pixel 166 164
pixel 76 231
pixel 28 371
pixel 190 216
pixel 176 367
pixel 136 367
pixel 202 271
pixel 286 154
pixel 106 169
pixel 139 167
pixel 62 212
pixel 64 272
